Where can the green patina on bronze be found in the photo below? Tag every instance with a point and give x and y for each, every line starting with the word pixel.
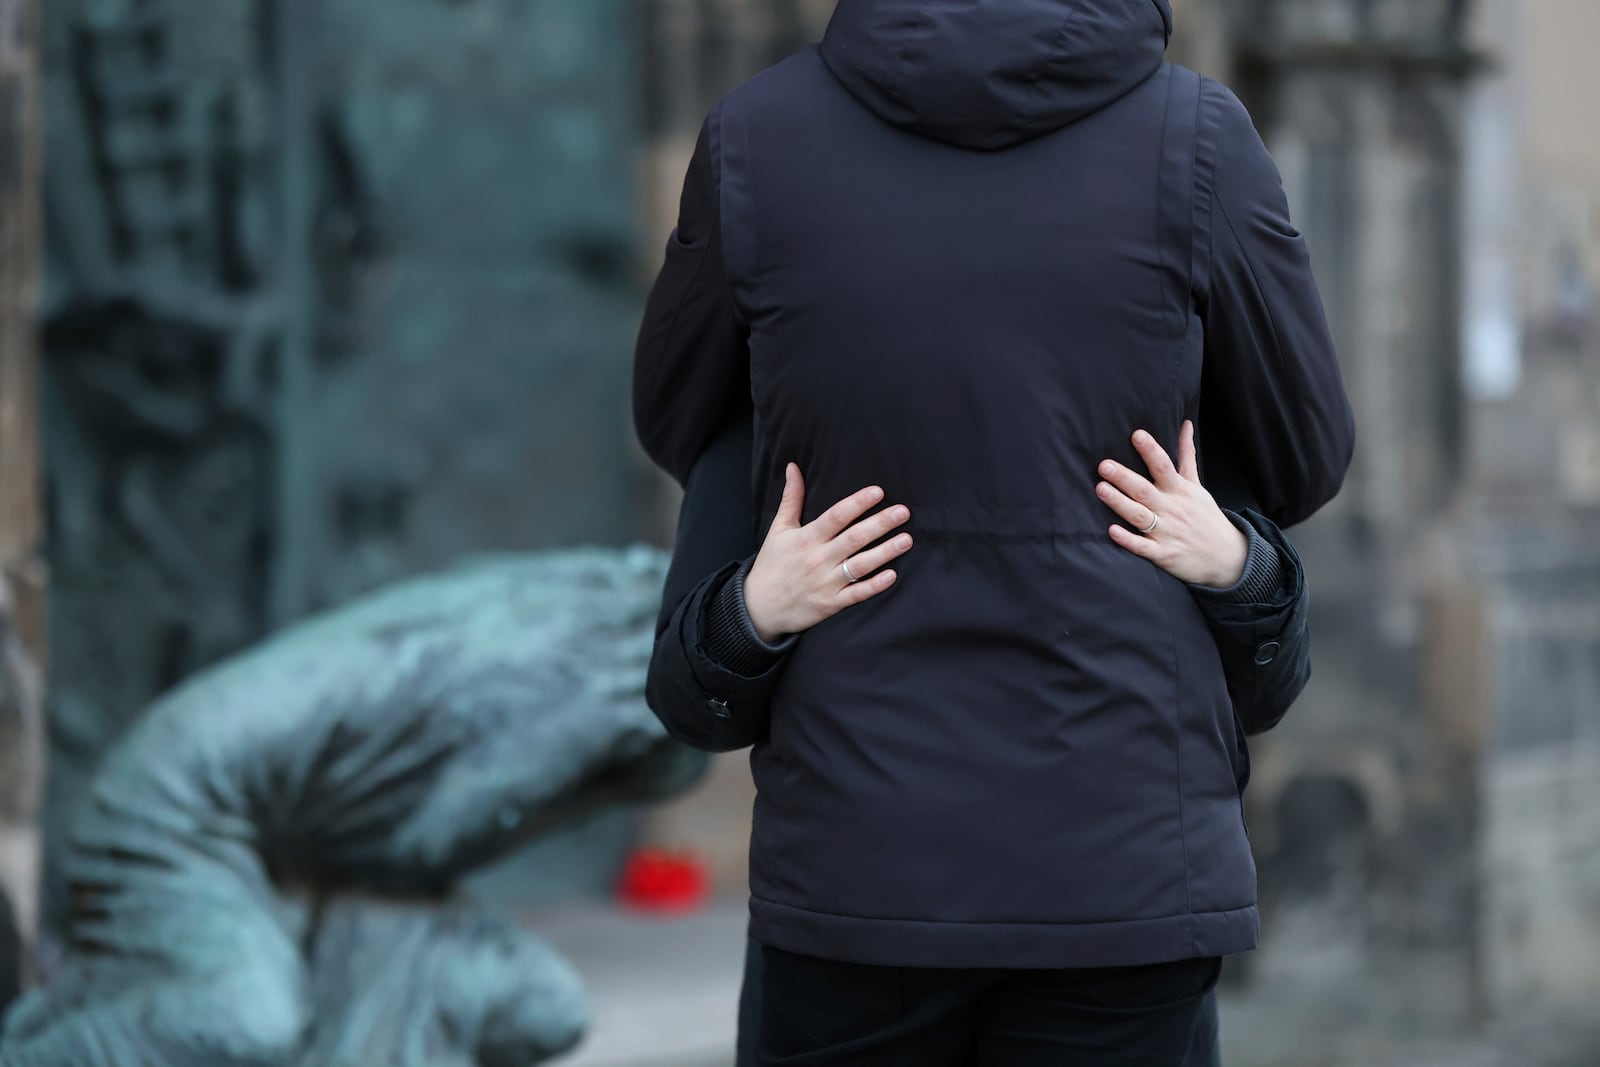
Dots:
pixel 338 292
pixel 261 874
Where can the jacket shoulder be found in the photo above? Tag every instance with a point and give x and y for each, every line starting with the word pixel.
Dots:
pixel 782 86
pixel 1222 112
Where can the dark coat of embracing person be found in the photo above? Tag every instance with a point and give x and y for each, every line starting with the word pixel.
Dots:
pixel 962 250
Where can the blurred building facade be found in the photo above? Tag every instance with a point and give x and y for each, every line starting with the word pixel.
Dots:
pixel 1534 358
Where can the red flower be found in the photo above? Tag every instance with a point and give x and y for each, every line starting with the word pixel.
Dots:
pixel 658 880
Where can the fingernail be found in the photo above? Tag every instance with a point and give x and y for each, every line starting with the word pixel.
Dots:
pixel 900 514
pixel 904 541
pixel 1108 469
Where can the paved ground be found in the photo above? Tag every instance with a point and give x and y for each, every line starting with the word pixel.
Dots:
pixel 664 994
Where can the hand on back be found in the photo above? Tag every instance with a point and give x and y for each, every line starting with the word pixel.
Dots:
pixel 1183 530
pixel 806 574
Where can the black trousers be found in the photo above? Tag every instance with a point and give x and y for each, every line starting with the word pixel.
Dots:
pixel 819 1013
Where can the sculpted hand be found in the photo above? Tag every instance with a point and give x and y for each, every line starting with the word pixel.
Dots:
pixel 1192 539
pixel 799 578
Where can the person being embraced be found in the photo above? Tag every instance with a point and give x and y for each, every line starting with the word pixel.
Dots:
pixel 722 637
pixel 962 251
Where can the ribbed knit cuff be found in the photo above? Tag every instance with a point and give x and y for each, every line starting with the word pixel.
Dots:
pixel 730 636
pixel 1262 579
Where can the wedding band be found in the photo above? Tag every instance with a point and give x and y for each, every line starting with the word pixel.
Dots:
pixel 845 566
pixel 1154 522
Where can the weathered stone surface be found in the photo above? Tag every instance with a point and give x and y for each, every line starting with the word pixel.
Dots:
pixel 218 867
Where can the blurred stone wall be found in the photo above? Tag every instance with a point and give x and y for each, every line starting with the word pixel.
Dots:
pixel 1366 799
pixel 1423 814
pixel 1536 499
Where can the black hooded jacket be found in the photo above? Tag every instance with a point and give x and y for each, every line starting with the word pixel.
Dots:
pixel 959 250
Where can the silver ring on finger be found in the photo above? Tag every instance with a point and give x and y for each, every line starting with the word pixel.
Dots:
pixel 1155 520
pixel 845 566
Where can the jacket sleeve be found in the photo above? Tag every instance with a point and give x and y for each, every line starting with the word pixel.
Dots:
pixel 1265 645
pixel 1277 422
pixel 691 371
pixel 700 701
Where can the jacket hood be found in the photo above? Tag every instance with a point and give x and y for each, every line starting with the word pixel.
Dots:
pixel 993 73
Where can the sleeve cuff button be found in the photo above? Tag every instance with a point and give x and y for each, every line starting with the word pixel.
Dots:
pixel 1267 653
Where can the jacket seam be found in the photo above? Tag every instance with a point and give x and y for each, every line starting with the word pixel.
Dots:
pixel 714 145
pixel 1177 759
pixel 1182 308
pixel 1161 209
pixel 1077 537
pixel 1206 165
pixel 731 219
pixel 1186 914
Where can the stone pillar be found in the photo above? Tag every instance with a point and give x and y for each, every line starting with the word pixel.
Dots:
pixel 1364 104
pixel 21 573
pixel 1204 33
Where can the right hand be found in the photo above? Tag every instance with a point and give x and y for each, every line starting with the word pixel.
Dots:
pixel 797 579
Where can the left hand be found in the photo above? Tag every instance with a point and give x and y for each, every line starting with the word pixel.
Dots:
pixel 1193 540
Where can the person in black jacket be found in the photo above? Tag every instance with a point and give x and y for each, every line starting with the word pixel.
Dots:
pixel 709 658
pixel 956 251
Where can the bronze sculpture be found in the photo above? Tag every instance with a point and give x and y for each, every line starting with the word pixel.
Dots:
pixel 261 873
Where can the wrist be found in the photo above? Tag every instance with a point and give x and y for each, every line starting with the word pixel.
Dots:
pixel 767 624
pixel 769 634
pixel 1231 565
